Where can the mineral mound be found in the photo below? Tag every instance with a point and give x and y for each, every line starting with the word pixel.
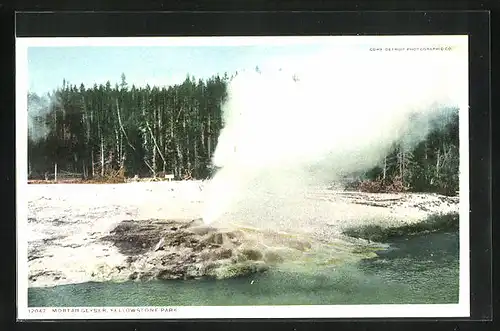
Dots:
pixel 176 249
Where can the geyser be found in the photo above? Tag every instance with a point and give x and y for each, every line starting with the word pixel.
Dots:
pixel 325 116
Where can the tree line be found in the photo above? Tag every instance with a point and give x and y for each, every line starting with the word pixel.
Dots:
pixel 430 166
pixel 120 131
pixel 109 131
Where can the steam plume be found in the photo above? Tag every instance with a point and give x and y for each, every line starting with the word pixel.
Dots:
pixel 38 109
pixel 325 116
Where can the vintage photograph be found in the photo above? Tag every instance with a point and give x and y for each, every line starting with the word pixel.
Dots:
pixel 252 171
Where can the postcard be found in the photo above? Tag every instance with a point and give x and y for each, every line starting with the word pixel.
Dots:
pixel 242 177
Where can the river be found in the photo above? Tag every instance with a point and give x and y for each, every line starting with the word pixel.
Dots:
pixel 419 270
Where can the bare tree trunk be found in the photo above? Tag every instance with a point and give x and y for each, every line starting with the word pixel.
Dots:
pixel 126 137
pixel 446 152
pixel 121 146
pixel 124 158
pixel 86 119
pixel 196 166
pixel 209 141
pixel 117 144
pixel 102 157
pixel 403 162
pixel 162 138
pixel 154 163
pixel 400 163
pixel 180 157
pixel 187 155
pixel 152 131
pixel 203 147
pixel 172 142
pixel 203 129
pixel 438 159
pixel 385 168
pixel 102 148
pixel 156 147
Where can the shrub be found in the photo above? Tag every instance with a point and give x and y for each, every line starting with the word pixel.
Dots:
pixel 382 186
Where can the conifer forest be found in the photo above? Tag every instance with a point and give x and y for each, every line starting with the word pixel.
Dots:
pixel 123 131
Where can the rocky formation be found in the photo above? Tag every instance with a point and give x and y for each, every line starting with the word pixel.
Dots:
pixel 170 249
pixel 435 223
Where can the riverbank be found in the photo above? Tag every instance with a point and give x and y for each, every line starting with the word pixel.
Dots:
pixel 72 230
pixel 420 270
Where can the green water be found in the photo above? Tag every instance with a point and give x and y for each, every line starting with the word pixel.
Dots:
pixel 422 269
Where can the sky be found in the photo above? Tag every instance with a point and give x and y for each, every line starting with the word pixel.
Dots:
pixel 93 62
pixel 153 65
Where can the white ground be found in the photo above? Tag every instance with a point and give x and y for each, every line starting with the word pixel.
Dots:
pixel 65 221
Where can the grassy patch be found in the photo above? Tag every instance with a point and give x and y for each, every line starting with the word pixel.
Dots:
pixel 377 233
